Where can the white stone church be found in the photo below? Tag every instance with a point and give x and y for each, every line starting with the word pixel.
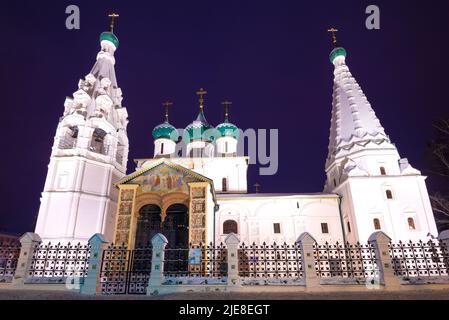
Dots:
pixel 202 196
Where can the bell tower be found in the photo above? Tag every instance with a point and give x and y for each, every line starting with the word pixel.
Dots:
pixel 89 154
pixel 379 189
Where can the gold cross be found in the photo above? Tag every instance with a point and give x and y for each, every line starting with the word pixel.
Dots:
pixel 113 16
pixel 201 93
pixel 226 105
pixel 167 104
pixel 334 36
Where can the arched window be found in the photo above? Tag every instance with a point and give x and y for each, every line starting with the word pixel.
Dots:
pixel 382 171
pixel 389 194
pixel 226 147
pixel 349 226
pixel 162 148
pixel 335 182
pixel 411 224
pixel 97 143
pixel 230 226
pixel 376 224
pixel 68 140
pixel 224 185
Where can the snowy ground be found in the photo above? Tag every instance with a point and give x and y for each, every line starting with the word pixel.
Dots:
pixel 371 295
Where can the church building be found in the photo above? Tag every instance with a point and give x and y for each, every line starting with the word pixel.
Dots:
pixel 200 195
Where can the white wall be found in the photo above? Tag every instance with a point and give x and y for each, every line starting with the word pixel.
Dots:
pixel 256 215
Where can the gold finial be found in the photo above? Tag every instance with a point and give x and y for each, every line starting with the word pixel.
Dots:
pixel 257 186
pixel 167 104
pixel 113 16
pixel 201 93
pixel 334 36
pixel 226 105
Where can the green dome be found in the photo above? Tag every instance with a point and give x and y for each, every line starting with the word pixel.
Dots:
pixel 109 36
pixel 166 131
pixel 199 129
pixel 336 53
pixel 227 129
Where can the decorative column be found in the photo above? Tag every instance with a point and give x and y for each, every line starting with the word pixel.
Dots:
pixel 92 283
pixel 232 245
pixel 306 243
pixel 380 241
pixel 158 242
pixel 29 241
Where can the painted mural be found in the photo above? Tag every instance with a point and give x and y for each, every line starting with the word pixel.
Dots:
pixel 164 179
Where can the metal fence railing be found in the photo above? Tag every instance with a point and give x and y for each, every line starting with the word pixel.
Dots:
pixel 196 264
pixel 55 263
pixel 346 261
pixel 9 255
pixel 125 271
pixel 420 259
pixel 270 262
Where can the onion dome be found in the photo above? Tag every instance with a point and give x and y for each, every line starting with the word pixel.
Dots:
pixel 166 130
pixel 200 129
pixel 227 129
pixel 109 36
pixel 336 53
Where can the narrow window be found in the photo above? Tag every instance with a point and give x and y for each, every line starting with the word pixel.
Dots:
pixel 162 148
pixel 297 204
pixel 277 227
pixel 411 224
pixel 382 171
pixel 389 194
pixel 226 147
pixel 376 224
pixel 349 226
pixel 335 182
pixel 324 228
pixel 229 226
pixel 224 185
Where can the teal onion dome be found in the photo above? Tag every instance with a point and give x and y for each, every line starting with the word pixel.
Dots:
pixel 336 53
pixel 165 131
pixel 109 36
pixel 227 129
pixel 199 129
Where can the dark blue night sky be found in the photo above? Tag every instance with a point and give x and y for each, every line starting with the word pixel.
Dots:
pixel 269 57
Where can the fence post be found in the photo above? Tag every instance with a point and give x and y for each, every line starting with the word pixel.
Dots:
pixel 29 241
pixel 306 243
pixel 380 241
pixel 158 243
pixel 92 283
pixel 232 245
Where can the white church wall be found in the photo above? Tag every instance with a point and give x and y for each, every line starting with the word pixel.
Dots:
pixel 257 216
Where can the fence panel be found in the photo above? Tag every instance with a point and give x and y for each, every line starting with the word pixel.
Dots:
pixel 201 264
pixel 420 259
pixel 55 263
pixel 274 263
pixel 9 255
pixel 346 261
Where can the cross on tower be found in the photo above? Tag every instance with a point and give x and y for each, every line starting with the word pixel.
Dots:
pixel 226 105
pixel 334 36
pixel 201 93
pixel 167 104
pixel 113 16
